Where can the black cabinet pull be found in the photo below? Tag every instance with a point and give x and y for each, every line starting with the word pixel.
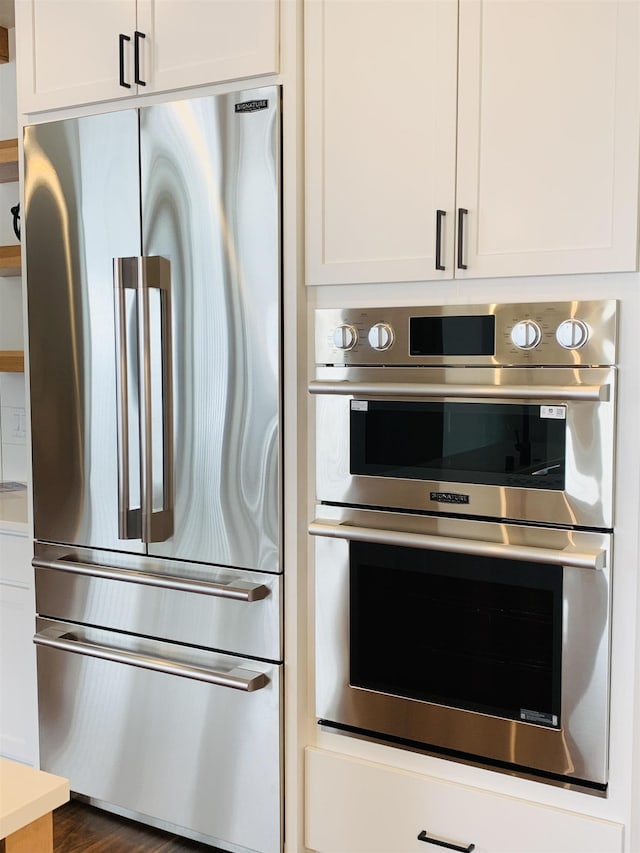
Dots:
pixel 462 211
pixel 136 57
pixel 123 82
pixel 424 837
pixel 440 214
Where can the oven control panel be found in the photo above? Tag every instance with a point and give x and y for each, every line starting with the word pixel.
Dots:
pixel 555 333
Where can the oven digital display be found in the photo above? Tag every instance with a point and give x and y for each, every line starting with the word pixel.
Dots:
pixel 472 335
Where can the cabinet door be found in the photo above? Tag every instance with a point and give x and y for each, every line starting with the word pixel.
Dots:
pixel 68 52
pixel 547 136
pixel 193 42
pixel 364 807
pixel 380 139
pixel 18 704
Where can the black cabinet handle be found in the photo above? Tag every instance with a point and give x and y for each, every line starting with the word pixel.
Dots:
pixel 424 837
pixel 440 214
pixel 123 82
pixel 462 211
pixel 136 57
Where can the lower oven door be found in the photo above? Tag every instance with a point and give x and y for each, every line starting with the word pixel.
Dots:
pixel 186 737
pixel 486 639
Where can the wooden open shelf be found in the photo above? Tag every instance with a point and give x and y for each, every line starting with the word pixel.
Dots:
pixel 10 260
pixel 11 361
pixel 8 160
pixel 4 44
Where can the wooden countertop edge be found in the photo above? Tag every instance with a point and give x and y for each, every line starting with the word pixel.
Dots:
pixel 27 794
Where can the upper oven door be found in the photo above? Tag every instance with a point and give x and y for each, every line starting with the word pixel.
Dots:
pixel 529 444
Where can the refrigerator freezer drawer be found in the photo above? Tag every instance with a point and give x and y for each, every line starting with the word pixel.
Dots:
pixel 218 608
pixel 179 735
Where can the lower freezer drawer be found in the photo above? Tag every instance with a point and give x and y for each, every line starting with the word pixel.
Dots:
pixel 177 734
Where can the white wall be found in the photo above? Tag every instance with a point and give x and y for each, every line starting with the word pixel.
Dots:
pixel 13 455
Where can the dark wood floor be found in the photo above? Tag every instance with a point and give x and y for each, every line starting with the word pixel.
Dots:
pixel 79 828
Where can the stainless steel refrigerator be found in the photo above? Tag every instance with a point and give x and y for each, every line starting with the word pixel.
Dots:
pixel 152 240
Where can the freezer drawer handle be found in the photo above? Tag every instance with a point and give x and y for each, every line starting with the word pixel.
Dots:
pixel 424 837
pixel 236 679
pixel 475 547
pixel 238 590
pixel 395 390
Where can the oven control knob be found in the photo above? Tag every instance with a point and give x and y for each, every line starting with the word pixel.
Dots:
pixel 526 334
pixel 345 337
pixel 572 334
pixel 381 336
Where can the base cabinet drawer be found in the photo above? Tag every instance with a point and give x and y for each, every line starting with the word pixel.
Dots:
pixel 355 806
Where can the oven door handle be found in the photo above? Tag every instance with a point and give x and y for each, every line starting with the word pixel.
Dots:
pixel 237 678
pixel 393 390
pixel 569 557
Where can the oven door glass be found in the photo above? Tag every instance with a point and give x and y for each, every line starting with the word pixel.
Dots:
pixel 478 633
pixel 498 444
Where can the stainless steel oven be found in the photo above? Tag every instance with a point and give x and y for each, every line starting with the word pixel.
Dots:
pixel 495 411
pixel 478 638
pixel 464 529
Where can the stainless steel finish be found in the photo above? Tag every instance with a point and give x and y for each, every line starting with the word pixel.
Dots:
pixel 129 519
pixel 157 472
pixel 587 499
pixel 182 602
pixel 568 557
pixel 241 591
pixel 197 755
pixel 600 318
pixel 398 390
pixel 154 272
pixel 238 678
pixel 81 211
pixel 578 749
pixel 209 178
pixel 140 275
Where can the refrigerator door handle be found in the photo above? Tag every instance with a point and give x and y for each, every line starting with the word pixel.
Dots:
pixel 129 520
pixel 155 273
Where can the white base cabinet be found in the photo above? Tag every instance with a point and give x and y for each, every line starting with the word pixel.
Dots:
pixel 356 806
pixel 18 691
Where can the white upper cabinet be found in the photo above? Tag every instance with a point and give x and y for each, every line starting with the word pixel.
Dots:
pixel 69 52
pixel 73 52
pixel 541 176
pixel 190 42
pixel 380 138
pixel 548 136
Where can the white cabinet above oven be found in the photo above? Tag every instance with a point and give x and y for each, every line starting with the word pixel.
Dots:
pixel 467 138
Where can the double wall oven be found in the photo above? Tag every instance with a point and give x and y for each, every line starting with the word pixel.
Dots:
pixel 464 529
